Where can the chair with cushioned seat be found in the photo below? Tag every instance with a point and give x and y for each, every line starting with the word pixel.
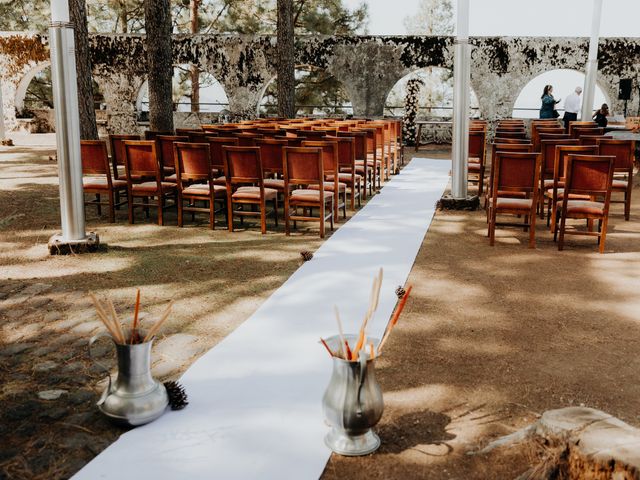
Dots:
pixel 360 155
pixel 547 162
pixel 515 172
pixel 217 158
pixel 195 181
pixel 95 162
pixel 271 156
pixel 116 142
pixel 504 147
pixel 476 163
pixel 623 151
pixel 142 162
pixel 332 182
pixel 303 166
pixel 347 169
pixel 245 186
pixel 165 152
pixel 590 176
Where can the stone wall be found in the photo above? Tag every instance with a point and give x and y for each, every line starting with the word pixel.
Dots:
pixel 367 66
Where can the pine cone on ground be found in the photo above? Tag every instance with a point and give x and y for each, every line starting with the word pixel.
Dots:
pixel 177 396
pixel 306 255
pixel 400 291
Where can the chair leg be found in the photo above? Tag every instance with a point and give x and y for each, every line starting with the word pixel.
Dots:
pixel 322 205
pixel 212 212
pixel 627 204
pixel 532 229
pixel 230 213
pixel 130 207
pixel 287 214
pixel 145 200
pixel 98 204
pixel 112 209
pixel 562 228
pixel 275 210
pixel 603 233
pixel 160 205
pixel 180 211
pixel 263 217
pixel 332 218
pixel 492 226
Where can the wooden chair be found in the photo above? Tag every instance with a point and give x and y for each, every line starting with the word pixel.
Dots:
pixel 347 169
pixel 577 132
pixel 556 192
pixel 535 139
pixel 304 166
pixel 476 162
pixel 152 134
pixel 195 181
pixel 590 139
pixel 504 147
pixel 503 140
pixel 247 139
pixel 373 162
pixel 361 164
pixel 577 124
pixel 332 182
pixel 95 162
pixel 217 157
pixel 515 172
pixel 623 151
pixel 166 152
pixel 511 133
pixel 201 137
pixel 547 164
pixel 141 161
pixel 116 142
pixel 243 167
pixel 591 176
pixel 272 166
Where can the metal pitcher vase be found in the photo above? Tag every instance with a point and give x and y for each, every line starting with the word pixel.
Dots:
pixel 135 398
pixel 353 402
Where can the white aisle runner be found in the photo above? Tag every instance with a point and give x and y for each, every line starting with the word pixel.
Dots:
pixel 255 399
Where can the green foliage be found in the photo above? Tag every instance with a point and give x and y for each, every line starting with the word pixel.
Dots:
pixel 434 17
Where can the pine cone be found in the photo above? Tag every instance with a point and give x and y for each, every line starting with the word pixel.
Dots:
pixel 177 396
pixel 400 291
pixel 306 255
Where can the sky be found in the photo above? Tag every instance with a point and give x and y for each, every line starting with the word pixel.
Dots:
pixel 620 18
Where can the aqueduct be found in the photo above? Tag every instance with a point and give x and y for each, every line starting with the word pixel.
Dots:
pixel 367 66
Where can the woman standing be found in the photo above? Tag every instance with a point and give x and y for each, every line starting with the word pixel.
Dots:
pixel 601 115
pixel 548 108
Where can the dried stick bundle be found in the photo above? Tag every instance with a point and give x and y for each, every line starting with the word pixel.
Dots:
pixel 112 322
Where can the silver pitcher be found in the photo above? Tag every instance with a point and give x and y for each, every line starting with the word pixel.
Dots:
pixel 135 398
pixel 353 402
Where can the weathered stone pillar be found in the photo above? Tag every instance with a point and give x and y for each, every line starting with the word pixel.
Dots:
pixel 120 92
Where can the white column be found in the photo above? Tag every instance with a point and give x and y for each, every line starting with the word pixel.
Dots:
pixel 461 81
pixel 2 131
pixel 65 100
pixel 592 63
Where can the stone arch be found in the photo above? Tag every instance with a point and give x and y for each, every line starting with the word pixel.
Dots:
pixel 441 77
pixel 25 81
pixel 566 76
pixel 341 105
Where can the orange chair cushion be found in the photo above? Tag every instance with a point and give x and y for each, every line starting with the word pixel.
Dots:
pixel 583 207
pixel 171 178
pixel 572 196
pixel 474 167
pixel 306 195
pixel 220 181
pixel 253 193
pixel 202 190
pixel 152 187
pixel 620 185
pixel 276 183
pixel 100 183
pixel 523 204
pixel 330 187
pixel 344 177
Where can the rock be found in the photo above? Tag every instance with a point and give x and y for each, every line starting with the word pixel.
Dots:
pixel 51 317
pixel 39 302
pixel 45 366
pixel 16 348
pixel 41 351
pixel 55 413
pixel 81 396
pixel 51 394
pixel 72 367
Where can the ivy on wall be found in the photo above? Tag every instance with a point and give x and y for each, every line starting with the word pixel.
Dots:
pixel 411 110
pixel 20 50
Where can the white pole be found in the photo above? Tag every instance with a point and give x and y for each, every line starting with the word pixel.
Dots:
pixel 2 131
pixel 592 63
pixel 461 81
pixel 65 99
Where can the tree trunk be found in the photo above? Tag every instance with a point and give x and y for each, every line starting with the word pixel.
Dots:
pixel 286 60
pixel 195 72
pixel 157 15
pixel 86 107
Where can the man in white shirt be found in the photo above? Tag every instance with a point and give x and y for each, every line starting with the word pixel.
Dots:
pixel 571 108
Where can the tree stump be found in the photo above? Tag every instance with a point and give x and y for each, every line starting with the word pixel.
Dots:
pixel 578 443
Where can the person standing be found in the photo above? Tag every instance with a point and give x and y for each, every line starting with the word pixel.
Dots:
pixel 548 108
pixel 571 108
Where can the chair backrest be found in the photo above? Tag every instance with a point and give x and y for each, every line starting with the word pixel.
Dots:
pixel 590 139
pixel 192 161
pixel 141 158
pixel 215 149
pixel 243 165
pixel 579 131
pixel 359 143
pixel 590 174
pixel 346 151
pixel 152 134
pixel 200 137
pixel 271 154
pixel 117 147
pixel 505 133
pixel 372 146
pixel 622 150
pixel 515 171
pixel 476 145
pixel 310 133
pixel 548 151
pixel 247 139
pixel 329 154
pixel 576 124
pixel 562 153
pixel 184 132
pixel 165 148
pixel 510 140
pixel 95 159
pixel 303 166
